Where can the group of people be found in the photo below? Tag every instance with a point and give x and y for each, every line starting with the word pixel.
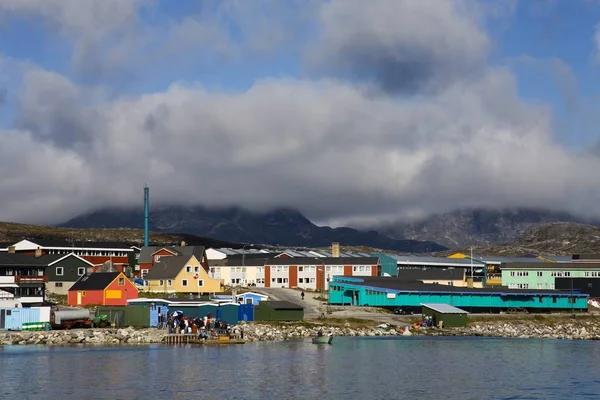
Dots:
pixel 202 327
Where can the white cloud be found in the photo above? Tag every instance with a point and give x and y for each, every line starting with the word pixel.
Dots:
pixel 330 147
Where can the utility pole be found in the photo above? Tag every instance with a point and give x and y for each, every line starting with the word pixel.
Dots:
pixel 472 281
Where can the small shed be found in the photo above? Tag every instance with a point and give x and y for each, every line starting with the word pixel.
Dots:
pixel 450 316
pixel 278 311
pixel 251 298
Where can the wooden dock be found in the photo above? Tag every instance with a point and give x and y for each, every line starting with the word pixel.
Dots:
pixel 192 339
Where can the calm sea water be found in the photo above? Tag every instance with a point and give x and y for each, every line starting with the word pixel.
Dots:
pixel 351 368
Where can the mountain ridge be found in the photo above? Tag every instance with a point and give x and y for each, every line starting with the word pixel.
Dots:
pixel 278 227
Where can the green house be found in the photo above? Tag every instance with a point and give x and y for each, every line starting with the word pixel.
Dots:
pixel 448 315
pixel 278 311
pixel 542 275
pixel 63 272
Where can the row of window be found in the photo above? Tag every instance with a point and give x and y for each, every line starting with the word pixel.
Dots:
pixel 80 271
pixel 554 274
pixel 526 286
pixel 374 292
pixel 90 253
pixel 184 282
pixel 189 268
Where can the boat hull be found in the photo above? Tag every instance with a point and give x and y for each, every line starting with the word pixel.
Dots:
pixel 322 340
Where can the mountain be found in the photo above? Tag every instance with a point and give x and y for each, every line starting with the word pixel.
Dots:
pixel 11 232
pixel 279 227
pixel 552 238
pixel 476 227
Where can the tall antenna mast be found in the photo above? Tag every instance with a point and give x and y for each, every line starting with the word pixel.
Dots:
pixel 146 212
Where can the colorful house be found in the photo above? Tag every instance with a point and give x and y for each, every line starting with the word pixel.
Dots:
pixel 152 256
pixel 63 272
pixel 102 288
pixel 181 274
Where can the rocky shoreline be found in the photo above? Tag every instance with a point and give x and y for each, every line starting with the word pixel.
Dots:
pixel 567 329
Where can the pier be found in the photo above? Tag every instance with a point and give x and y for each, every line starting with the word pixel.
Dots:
pixel 192 339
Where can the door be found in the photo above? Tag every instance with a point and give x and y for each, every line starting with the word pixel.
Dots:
pixel 78 298
pixel 2 318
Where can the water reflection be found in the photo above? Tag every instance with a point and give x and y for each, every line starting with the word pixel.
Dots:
pixel 426 368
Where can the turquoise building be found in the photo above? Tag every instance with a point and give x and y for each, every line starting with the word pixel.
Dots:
pixel 541 276
pixel 389 265
pixel 397 293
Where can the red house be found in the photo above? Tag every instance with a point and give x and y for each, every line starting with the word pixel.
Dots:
pixel 102 288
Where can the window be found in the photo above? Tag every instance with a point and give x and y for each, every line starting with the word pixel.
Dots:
pixel 539 273
pixel 188 269
pixel 285 280
pixel 355 268
pixel 540 286
pixel 184 282
pixel 156 258
pixel 146 283
pixel 121 281
pixel 169 282
pixel 81 271
pixel 196 269
pixel 59 271
pixel 58 284
pixel 83 292
pixel 567 274
pixel 200 282
pixel 144 273
pixel 161 282
pixel 300 269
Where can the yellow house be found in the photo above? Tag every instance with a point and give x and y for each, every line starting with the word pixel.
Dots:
pixel 181 274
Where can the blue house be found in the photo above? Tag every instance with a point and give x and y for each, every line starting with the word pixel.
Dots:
pixel 250 298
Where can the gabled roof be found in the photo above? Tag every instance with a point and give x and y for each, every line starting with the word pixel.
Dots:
pixel 147 251
pixel 168 267
pixel 323 261
pixel 56 258
pixel 95 281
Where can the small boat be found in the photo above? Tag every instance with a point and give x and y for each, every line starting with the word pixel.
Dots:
pixel 322 339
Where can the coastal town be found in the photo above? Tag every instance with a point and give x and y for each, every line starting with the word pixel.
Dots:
pixel 53 285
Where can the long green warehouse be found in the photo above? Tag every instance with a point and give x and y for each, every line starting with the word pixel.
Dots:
pixel 398 293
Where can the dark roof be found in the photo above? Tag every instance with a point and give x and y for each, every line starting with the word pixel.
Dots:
pixel 147 251
pixel 402 285
pixel 95 281
pixel 282 305
pixel 236 261
pixel 167 267
pixel 551 265
pixel 25 260
pixel 78 244
pixel 323 261
pixel 5 245
pixel 414 274
pixel 586 256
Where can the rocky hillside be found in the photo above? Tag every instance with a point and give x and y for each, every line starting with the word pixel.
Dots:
pixel 554 238
pixel 476 227
pixel 12 232
pixel 280 227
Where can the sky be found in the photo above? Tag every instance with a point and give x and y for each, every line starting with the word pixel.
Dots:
pixel 352 114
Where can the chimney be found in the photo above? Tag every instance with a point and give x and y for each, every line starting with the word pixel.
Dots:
pixel 11 249
pixel 38 252
pixel 335 249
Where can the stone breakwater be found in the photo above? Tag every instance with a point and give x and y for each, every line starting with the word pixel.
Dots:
pixel 251 332
pixel 566 329
pixel 83 336
pixel 575 330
